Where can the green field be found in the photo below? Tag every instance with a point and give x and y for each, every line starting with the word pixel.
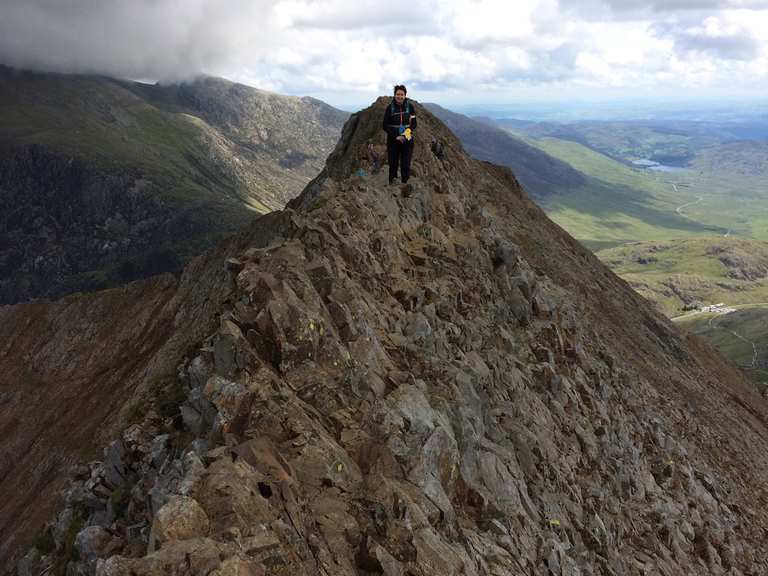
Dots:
pixel 676 274
pixel 619 204
pixel 664 140
pixel 732 180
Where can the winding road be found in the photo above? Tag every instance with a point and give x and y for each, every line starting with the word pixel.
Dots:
pixel 679 208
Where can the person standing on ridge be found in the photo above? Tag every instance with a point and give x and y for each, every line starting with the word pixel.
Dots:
pixel 399 124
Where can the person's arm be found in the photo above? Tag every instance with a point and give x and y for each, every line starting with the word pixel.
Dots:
pixel 385 122
pixel 412 122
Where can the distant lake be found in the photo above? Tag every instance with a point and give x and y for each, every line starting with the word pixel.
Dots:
pixel 664 168
pixel 652 165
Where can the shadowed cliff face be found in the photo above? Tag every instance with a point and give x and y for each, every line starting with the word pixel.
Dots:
pixel 105 181
pixel 416 380
pixel 67 226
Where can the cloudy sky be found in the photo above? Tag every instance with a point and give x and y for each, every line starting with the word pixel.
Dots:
pixel 451 51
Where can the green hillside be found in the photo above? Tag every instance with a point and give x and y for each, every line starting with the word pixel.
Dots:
pixel 732 179
pixel 105 181
pixel 721 186
pixel 667 142
pixel 180 134
pixel 541 174
pixel 679 274
pixel 617 203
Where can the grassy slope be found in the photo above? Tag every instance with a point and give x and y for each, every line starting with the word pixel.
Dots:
pixel 733 180
pixel 667 142
pixel 275 144
pixel 706 270
pixel 728 181
pixel 618 204
pixel 101 122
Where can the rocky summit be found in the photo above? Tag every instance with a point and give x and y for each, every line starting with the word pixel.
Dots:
pixel 406 380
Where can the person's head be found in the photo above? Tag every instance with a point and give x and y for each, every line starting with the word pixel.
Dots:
pixel 400 93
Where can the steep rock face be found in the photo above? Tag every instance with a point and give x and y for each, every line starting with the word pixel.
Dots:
pixel 73 372
pixel 427 379
pixel 105 181
pixel 67 226
pixel 272 142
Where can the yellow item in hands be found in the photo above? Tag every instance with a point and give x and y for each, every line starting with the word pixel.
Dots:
pixel 407 133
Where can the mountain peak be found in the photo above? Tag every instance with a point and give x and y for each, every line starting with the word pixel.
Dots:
pixel 415 379
pixel 452 168
pixel 366 126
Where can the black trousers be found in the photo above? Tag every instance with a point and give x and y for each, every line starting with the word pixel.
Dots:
pixel 399 155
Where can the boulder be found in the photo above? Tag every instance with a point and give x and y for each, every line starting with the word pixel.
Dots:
pixel 96 542
pixel 181 518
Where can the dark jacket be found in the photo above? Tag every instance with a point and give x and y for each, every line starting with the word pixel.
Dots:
pixel 395 115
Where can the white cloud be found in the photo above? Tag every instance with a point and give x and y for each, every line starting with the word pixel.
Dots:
pixel 141 38
pixel 361 14
pixel 341 50
pixel 475 21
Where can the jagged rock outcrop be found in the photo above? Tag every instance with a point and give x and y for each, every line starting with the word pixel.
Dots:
pixel 425 379
pixel 74 372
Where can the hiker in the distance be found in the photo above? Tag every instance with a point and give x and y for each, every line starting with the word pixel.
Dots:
pixel 399 124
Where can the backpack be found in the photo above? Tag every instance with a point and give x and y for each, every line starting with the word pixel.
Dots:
pixel 392 111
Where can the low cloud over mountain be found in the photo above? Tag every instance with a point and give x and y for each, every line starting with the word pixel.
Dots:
pixel 445 50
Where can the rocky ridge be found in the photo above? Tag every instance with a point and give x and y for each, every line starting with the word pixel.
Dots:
pixel 272 143
pixel 425 379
